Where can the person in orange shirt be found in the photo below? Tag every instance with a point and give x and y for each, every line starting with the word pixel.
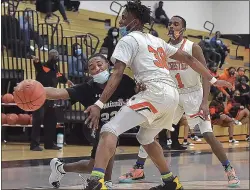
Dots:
pixel 218 116
pixel 229 75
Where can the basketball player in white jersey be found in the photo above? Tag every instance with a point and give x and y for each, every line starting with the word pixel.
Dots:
pixel 152 109
pixel 193 101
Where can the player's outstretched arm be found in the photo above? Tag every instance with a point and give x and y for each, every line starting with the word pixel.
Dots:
pixel 199 68
pixel 56 94
pixel 198 54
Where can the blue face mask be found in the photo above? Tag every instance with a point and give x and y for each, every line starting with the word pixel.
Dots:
pixel 78 51
pixel 101 77
pixel 123 30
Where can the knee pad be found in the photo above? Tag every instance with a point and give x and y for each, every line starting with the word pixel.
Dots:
pixel 143 139
pixel 142 152
pixel 108 127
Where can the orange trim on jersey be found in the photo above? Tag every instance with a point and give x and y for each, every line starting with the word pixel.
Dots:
pixel 58 74
pixel 183 44
pixel 46 69
pixel 146 105
pixel 199 114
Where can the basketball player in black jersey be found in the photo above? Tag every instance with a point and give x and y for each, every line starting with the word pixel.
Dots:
pixel 87 94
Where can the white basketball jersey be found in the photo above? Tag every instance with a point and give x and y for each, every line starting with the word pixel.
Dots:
pixel 146 55
pixel 184 76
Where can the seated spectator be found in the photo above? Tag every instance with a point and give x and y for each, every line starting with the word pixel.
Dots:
pixel 72 5
pixel 237 111
pixel 50 6
pixel 160 15
pixel 26 25
pixel 241 72
pixel 216 108
pixel 208 51
pixel 110 41
pixel 11 34
pixel 244 90
pixel 77 63
pixel 229 75
pixel 220 47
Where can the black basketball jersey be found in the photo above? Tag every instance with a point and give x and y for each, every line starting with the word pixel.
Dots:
pixel 88 93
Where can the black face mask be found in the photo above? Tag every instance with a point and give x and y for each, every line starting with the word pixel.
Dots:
pixel 231 73
pixel 220 99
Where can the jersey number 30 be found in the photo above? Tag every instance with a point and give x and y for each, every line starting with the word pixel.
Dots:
pixel 160 56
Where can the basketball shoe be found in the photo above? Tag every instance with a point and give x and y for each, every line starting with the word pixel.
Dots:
pixel 95 183
pixel 56 174
pixel 135 173
pixel 233 180
pixel 169 185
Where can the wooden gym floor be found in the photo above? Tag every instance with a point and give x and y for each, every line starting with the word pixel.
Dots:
pixel 197 167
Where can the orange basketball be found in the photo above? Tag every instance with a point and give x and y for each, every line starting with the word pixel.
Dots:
pixel 8 98
pixel 29 95
pixel 23 119
pixel 3 118
pixel 12 119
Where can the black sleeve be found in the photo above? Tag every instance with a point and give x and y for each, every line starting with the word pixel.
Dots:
pixel 106 42
pixel 157 13
pixel 61 78
pixel 237 87
pixel 79 93
pixel 165 14
pixel 127 86
pixel 247 79
pixel 38 66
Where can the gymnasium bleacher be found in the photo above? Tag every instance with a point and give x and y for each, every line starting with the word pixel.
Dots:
pixel 91 33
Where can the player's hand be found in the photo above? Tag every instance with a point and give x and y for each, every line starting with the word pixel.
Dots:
pixel 223 83
pixel 140 86
pixel 204 109
pixel 70 83
pixel 93 116
pixel 35 59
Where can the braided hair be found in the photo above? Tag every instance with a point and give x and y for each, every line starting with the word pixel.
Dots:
pixel 140 11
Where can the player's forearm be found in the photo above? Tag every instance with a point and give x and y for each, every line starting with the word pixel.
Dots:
pixel 206 89
pixel 56 94
pixel 193 63
pixel 111 86
pixel 198 67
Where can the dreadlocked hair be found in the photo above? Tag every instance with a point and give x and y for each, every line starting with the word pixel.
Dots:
pixel 140 11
